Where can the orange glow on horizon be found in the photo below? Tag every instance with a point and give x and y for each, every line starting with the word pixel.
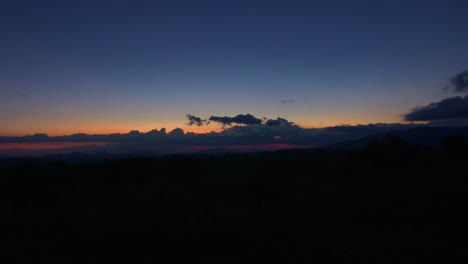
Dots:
pixel 49 145
pixel 110 130
pixel 101 129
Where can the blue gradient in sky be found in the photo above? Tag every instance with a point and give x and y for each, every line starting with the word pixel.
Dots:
pixel 89 65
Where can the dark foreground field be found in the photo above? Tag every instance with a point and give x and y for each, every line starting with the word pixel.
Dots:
pixel 388 203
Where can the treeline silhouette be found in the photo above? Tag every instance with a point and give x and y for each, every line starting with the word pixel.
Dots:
pixel 391 202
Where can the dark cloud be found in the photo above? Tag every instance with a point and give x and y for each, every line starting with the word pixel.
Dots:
pixel 447 112
pixel 156 132
pixel 278 122
pixel 456 122
pixel 195 120
pixel 256 135
pixel 247 119
pixel 134 133
pixel 459 82
pixel 287 101
pixel 244 130
pixel 177 132
pixel 449 108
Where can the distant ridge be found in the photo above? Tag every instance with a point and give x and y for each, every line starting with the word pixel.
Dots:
pixel 422 136
pixel 216 151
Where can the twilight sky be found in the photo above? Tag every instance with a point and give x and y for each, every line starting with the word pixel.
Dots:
pixel 114 66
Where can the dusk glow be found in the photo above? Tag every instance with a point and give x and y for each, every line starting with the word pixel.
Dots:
pixel 232 131
pixel 48 145
pixel 97 68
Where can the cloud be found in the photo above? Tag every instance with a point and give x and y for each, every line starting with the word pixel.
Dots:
pixel 177 132
pixel 195 120
pixel 250 137
pixel 278 122
pixel 247 119
pixel 459 82
pixel 244 130
pixel 287 101
pixel 156 132
pixel 455 122
pixel 449 108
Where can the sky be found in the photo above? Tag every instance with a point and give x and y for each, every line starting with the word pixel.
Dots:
pixel 115 66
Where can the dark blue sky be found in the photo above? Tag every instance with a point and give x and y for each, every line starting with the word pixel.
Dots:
pixel 92 66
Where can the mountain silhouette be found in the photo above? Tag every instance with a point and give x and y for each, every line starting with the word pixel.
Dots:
pixel 421 136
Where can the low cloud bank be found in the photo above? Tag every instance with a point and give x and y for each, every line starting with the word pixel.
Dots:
pixel 269 131
pixel 449 108
pixel 446 111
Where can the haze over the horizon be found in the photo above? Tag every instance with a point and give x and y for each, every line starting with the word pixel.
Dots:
pixel 115 66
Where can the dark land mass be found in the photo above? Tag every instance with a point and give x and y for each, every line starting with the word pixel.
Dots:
pixel 421 136
pixel 216 151
pixel 390 201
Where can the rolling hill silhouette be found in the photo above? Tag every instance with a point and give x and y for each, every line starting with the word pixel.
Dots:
pixel 421 136
pixel 395 201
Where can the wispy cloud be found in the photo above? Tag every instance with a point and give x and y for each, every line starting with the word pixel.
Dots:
pixel 459 82
pixel 287 101
pixel 23 96
pixel 195 120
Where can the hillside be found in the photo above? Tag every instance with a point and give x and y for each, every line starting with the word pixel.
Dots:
pixel 420 136
pixel 391 202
